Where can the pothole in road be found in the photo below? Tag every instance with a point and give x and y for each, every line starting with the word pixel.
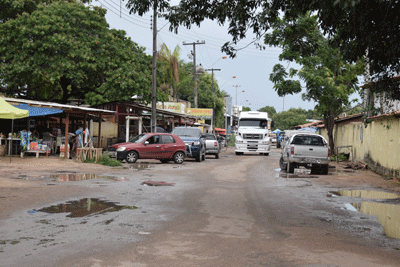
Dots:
pixel 66 177
pixel 388 216
pixel 366 194
pixel 85 207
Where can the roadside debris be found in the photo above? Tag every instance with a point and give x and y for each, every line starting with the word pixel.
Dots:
pixel 155 183
pixel 358 165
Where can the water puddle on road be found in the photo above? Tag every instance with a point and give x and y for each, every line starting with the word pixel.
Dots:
pixel 366 194
pixel 285 175
pixel 85 207
pixel 388 216
pixel 138 167
pixel 66 177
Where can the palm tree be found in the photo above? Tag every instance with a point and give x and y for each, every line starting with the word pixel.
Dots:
pixel 172 63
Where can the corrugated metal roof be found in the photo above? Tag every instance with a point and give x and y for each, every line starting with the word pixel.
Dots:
pixel 55 105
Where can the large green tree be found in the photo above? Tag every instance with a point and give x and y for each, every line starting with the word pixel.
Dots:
pixel 269 109
pixel 205 97
pixel 329 79
pixel 65 49
pixel 354 25
pixel 285 120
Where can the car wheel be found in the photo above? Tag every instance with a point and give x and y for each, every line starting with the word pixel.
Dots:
pixel 266 154
pixel 179 157
pixel 325 169
pixel 198 158
pixel 278 145
pixel 132 157
pixel 290 167
pixel 217 156
pixel 239 153
pixel 203 157
pixel 282 164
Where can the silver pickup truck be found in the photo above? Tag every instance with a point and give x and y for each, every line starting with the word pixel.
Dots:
pixel 308 150
pixel 213 147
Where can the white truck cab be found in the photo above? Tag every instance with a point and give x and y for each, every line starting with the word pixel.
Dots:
pixel 253 133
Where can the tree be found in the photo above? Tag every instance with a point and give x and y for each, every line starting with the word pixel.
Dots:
pixel 329 79
pixel 285 120
pixel 354 25
pixel 172 66
pixel 269 109
pixel 65 49
pixel 246 108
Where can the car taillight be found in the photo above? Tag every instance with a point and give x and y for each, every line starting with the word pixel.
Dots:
pixel 329 152
pixel 216 144
pixel 292 150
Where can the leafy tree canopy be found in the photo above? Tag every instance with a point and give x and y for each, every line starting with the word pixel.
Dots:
pixel 329 79
pixel 269 109
pixel 246 108
pixel 285 120
pixel 63 50
pixel 354 25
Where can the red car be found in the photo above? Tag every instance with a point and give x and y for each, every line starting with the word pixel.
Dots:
pixel 162 146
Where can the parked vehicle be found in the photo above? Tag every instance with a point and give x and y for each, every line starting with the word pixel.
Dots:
pixel 273 138
pixel 212 145
pixel 191 136
pixel 253 134
pixel 306 149
pixel 162 146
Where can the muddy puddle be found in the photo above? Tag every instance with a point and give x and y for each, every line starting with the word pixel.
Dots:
pixel 366 194
pixel 68 177
pixel 84 207
pixel 136 166
pixel 388 216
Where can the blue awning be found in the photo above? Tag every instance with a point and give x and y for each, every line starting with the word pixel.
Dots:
pixel 38 111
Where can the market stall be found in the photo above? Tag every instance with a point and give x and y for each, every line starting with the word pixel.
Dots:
pixel 8 111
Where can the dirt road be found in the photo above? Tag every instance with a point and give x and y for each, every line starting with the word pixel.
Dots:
pixel 232 211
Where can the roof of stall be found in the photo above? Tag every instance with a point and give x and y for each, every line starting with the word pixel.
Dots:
pixel 67 108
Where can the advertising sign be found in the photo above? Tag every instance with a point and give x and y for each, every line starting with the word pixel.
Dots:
pixel 172 106
pixel 204 113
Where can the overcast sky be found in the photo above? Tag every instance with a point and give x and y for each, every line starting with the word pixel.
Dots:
pixel 251 67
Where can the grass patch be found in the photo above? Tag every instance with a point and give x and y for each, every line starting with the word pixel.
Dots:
pixel 232 140
pixel 108 161
pixel 339 157
pixel 105 160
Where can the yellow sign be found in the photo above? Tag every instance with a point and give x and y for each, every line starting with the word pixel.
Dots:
pixel 205 113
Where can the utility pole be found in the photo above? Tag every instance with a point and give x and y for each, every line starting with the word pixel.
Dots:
pixel 153 122
pixel 194 69
pixel 212 89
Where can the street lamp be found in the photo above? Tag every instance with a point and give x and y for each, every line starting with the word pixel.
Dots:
pixel 237 92
pixel 233 77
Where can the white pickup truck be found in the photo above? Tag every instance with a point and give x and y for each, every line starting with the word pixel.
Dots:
pixel 308 150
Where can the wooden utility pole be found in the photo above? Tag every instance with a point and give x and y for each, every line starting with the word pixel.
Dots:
pixel 153 122
pixel 194 69
pixel 213 104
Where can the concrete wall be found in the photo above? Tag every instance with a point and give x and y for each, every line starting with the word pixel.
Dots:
pixel 378 144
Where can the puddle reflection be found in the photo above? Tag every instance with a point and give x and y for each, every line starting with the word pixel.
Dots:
pixel 388 216
pixel 285 175
pixel 366 194
pixel 66 177
pixel 85 207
